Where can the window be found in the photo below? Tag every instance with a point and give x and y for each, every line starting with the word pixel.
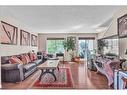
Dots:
pixel 112 46
pixel 55 45
pixel 86 47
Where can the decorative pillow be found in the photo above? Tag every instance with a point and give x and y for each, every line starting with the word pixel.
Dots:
pixel 34 56
pixel 27 58
pixel 14 60
pixel 23 58
pixel 31 57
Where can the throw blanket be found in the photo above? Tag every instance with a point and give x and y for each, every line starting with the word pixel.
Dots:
pixel 109 72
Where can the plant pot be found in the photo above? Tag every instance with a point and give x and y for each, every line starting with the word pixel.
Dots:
pixel 73 59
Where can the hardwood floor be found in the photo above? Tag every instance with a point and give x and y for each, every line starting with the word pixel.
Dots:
pixel 86 79
pixel 82 78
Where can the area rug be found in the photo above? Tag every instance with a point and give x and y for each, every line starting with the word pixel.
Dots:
pixel 64 80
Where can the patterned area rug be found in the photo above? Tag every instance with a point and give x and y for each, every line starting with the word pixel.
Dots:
pixel 64 80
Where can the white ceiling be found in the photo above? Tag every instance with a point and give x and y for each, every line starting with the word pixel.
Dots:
pixel 63 19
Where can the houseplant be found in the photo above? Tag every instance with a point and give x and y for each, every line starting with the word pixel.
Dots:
pixel 101 44
pixel 69 46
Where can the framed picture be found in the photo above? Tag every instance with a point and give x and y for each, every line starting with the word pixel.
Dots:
pixel 122 26
pixel 9 33
pixel 24 38
pixel 33 40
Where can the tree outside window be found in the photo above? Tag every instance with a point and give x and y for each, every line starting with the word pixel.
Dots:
pixel 55 46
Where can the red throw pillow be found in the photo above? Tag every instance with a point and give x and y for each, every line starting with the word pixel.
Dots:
pixel 27 58
pixel 14 60
pixel 23 58
pixel 34 56
pixel 31 57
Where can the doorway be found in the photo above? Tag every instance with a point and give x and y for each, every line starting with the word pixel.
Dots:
pixel 85 48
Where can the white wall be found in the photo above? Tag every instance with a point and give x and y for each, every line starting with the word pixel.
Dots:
pixel 112 30
pixel 15 49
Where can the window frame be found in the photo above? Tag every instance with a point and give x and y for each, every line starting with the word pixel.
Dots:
pixel 50 38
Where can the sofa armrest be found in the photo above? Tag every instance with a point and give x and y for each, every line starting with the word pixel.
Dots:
pixel 39 57
pixel 11 66
pixel 12 72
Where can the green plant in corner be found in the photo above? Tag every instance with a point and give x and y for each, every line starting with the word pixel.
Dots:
pixel 101 44
pixel 69 45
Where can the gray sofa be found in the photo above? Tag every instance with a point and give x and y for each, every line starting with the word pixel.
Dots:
pixel 17 72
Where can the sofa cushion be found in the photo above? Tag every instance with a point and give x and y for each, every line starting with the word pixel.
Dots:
pixel 28 66
pixel 10 66
pixel 23 58
pixel 15 60
pixel 35 56
pixel 27 58
pixel 37 62
pixel 5 59
pixel 32 56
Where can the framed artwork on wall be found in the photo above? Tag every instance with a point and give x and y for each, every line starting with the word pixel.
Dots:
pixel 122 26
pixel 33 40
pixel 24 38
pixel 9 34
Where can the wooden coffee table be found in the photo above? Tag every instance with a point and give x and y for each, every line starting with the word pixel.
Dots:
pixel 48 67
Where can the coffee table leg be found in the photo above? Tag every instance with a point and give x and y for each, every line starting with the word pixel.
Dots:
pixel 41 74
pixel 50 72
pixel 53 74
pixel 47 71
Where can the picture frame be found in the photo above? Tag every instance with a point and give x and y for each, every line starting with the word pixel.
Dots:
pixel 9 34
pixel 33 40
pixel 24 38
pixel 122 26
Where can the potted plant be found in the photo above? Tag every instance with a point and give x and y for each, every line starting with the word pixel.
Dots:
pixel 69 45
pixel 101 44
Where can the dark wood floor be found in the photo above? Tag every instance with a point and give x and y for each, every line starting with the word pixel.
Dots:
pixel 82 77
